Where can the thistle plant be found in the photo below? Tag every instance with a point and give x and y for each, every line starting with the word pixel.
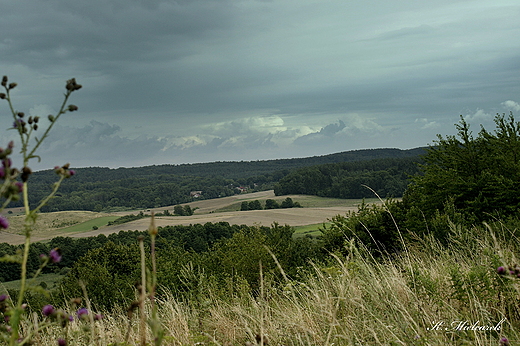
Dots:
pixel 14 182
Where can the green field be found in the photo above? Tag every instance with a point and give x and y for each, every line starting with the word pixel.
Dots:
pixel 50 280
pixel 88 225
pixel 312 230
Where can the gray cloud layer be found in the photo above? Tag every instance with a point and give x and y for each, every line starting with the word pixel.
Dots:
pixel 202 80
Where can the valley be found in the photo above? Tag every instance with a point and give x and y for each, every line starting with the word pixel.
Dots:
pixel 77 224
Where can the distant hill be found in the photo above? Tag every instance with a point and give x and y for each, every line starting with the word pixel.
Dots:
pixel 99 188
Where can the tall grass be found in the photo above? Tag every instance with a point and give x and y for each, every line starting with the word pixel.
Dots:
pixel 431 295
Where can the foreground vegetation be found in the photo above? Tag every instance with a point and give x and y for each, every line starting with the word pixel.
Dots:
pixel 430 294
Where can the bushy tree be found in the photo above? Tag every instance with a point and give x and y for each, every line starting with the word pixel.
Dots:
pixel 255 205
pixel 479 176
pixel 108 273
pixel 271 204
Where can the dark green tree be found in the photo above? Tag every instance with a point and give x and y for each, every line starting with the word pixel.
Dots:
pixel 479 176
pixel 255 205
pixel 271 204
pixel 108 273
pixel 244 206
pixel 178 210
pixel 287 203
pixel 187 210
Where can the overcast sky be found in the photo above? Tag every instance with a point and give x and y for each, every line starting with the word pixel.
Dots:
pixel 217 80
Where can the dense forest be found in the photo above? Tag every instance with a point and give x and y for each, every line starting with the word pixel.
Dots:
pixel 387 177
pixel 100 189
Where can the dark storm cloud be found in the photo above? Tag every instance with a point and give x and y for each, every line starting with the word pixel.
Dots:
pixel 97 144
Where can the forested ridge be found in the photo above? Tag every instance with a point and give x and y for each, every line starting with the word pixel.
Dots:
pixel 99 189
pixel 388 177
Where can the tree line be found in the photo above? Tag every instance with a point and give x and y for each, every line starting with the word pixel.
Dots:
pixel 465 180
pixel 103 189
pixel 388 177
pixel 269 204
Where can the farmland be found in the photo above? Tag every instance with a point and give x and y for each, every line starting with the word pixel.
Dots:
pixel 315 211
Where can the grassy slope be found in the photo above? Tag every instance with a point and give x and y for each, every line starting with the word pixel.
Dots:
pixel 354 300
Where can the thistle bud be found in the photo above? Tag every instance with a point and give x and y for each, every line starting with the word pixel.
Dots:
pixel 73 108
pixel 71 84
pixel 75 301
pixel 2 96
pixel 30 120
pixel 36 118
pixel 21 114
pixel 66 166
pixel 4 81
pixel 12 85
pixel 50 117
pixel 26 171
pixel 35 127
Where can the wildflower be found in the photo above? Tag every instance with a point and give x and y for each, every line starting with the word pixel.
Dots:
pixel 48 310
pixel 55 255
pixel 73 108
pixel 62 342
pixel 504 341
pixel 501 270
pixel 72 85
pixel 4 223
pixel 82 313
pixel 19 186
pixel 98 317
pixel 18 123
pixel 2 96
pixel 3 298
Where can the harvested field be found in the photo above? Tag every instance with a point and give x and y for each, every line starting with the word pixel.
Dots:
pixel 316 210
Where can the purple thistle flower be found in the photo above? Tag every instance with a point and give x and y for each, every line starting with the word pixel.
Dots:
pixel 501 270
pixel 3 297
pixel 504 341
pixel 82 312
pixel 55 255
pixel 48 310
pixel 4 223
pixel 19 185
pixel 2 172
pixel 98 317
pixel 62 342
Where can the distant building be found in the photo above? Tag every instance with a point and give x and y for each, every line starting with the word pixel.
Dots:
pixel 195 194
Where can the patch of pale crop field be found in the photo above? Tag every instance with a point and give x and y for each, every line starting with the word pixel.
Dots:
pixel 49 225
pixel 315 211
